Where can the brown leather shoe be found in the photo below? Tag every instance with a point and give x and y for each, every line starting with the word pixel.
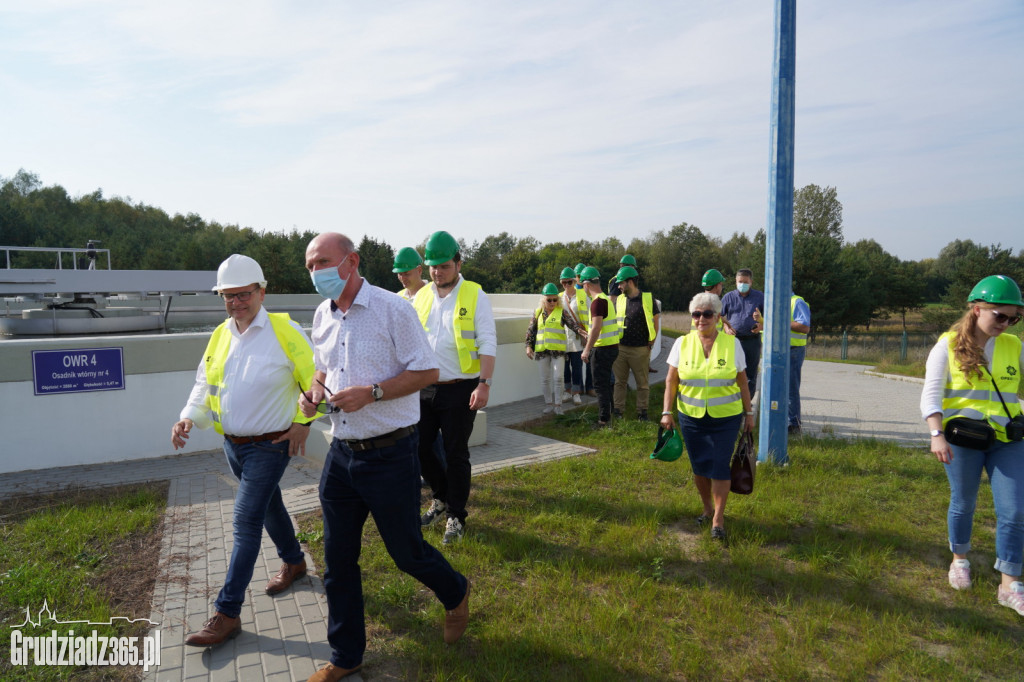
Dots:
pixel 455 620
pixel 217 630
pixel 288 574
pixel 331 673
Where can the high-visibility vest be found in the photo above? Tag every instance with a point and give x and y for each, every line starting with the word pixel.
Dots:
pixel 582 308
pixel 647 300
pixel 977 399
pixel 550 332
pixel 609 335
pixel 293 343
pixel 708 385
pixel 796 338
pixel 463 322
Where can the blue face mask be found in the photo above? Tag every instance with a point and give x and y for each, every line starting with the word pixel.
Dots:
pixel 328 282
pixel 743 287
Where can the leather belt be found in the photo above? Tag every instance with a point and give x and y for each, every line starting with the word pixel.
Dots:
pixel 241 440
pixel 456 381
pixel 385 441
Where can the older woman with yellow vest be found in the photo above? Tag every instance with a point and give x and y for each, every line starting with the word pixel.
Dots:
pixel 707 388
pixel 970 403
pixel 546 343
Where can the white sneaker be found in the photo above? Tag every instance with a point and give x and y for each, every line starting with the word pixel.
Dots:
pixel 548 409
pixel 559 410
pixel 576 399
pixel 1013 597
pixel 453 531
pixel 437 508
pixel 565 396
pixel 960 574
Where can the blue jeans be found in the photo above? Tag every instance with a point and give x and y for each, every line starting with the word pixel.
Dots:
pixel 258 505
pixel 796 363
pixel 384 482
pixel 574 380
pixel 1004 463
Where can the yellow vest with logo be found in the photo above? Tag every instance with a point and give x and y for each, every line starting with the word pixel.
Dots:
pixel 582 309
pixel 293 343
pixel 609 335
pixel 647 300
pixel 550 332
pixel 463 322
pixel 976 399
pixel 708 385
pixel 796 338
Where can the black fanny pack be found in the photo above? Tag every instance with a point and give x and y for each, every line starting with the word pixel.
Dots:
pixel 975 434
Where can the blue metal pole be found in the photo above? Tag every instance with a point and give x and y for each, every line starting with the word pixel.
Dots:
pixel 779 255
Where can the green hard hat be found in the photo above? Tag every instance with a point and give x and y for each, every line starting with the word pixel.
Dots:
pixel 441 248
pixel 406 259
pixel 589 273
pixel 626 273
pixel 998 289
pixel 711 278
pixel 550 290
pixel 669 447
pixel 579 268
pixel 567 273
pixel 628 260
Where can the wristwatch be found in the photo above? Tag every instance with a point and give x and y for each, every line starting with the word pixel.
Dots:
pixel 378 392
pixel 485 381
pixel 935 432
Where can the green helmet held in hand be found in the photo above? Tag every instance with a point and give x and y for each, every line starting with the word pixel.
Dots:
pixel 441 248
pixel 711 278
pixel 406 259
pixel 998 289
pixel 567 273
pixel 550 290
pixel 669 447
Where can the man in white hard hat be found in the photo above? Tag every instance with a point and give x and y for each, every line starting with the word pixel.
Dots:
pixel 247 387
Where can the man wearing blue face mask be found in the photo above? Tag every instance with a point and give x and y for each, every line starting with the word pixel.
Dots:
pixel 738 319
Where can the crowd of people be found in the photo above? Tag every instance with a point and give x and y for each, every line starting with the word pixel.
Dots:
pixel 402 381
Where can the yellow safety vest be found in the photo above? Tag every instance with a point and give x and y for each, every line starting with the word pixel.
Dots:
pixel 610 326
pixel 796 338
pixel 582 309
pixel 974 399
pixel 463 322
pixel 550 332
pixel 647 300
pixel 708 385
pixel 293 343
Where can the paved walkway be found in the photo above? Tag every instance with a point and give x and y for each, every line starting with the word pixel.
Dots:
pixel 285 637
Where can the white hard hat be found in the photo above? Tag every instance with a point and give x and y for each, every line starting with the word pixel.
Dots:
pixel 239 271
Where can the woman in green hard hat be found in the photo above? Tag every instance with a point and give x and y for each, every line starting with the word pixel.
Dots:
pixel 973 373
pixel 546 343
pixel 575 302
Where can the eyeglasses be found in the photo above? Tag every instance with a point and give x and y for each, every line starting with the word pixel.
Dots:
pixel 552 300
pixel 706 314
pixel 1002 318
pixel 241 296
pixel 324 407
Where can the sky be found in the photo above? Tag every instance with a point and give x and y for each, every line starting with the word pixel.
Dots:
pixel 577 119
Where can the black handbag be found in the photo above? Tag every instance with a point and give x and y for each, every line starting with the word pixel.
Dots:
pixel 742 465
pixel 975 434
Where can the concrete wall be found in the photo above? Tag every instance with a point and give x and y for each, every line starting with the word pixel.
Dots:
pixel 42 431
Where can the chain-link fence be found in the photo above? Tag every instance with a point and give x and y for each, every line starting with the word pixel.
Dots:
pixel 897 348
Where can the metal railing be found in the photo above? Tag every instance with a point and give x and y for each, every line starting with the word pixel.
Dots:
pixel 92 254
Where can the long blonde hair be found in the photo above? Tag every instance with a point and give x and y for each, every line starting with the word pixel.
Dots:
pixel 968 354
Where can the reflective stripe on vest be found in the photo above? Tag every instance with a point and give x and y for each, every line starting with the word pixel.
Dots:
pixel 292 342
pixel 583 308
pixel 550 332
pixel 708 385
pixel 795 338
pixel 976 399
pixel 647 301
pixel 609 335
pixel 463 322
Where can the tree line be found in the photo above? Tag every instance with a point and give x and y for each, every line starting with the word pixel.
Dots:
pixel 846 284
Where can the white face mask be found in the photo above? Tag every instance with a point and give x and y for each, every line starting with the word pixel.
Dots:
pixel 743 287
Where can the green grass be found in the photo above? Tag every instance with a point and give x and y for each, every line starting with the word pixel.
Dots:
pixel 593 568
pixel 80 552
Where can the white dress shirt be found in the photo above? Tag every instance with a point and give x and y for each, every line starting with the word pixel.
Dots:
pixel 260 394
pixel 441 331
pixel 377 339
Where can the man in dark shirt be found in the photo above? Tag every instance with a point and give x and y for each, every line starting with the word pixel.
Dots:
pixel 638 316
pixel 742 313
pixel 602 342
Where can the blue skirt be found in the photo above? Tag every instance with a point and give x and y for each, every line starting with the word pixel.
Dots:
pixel 710 442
